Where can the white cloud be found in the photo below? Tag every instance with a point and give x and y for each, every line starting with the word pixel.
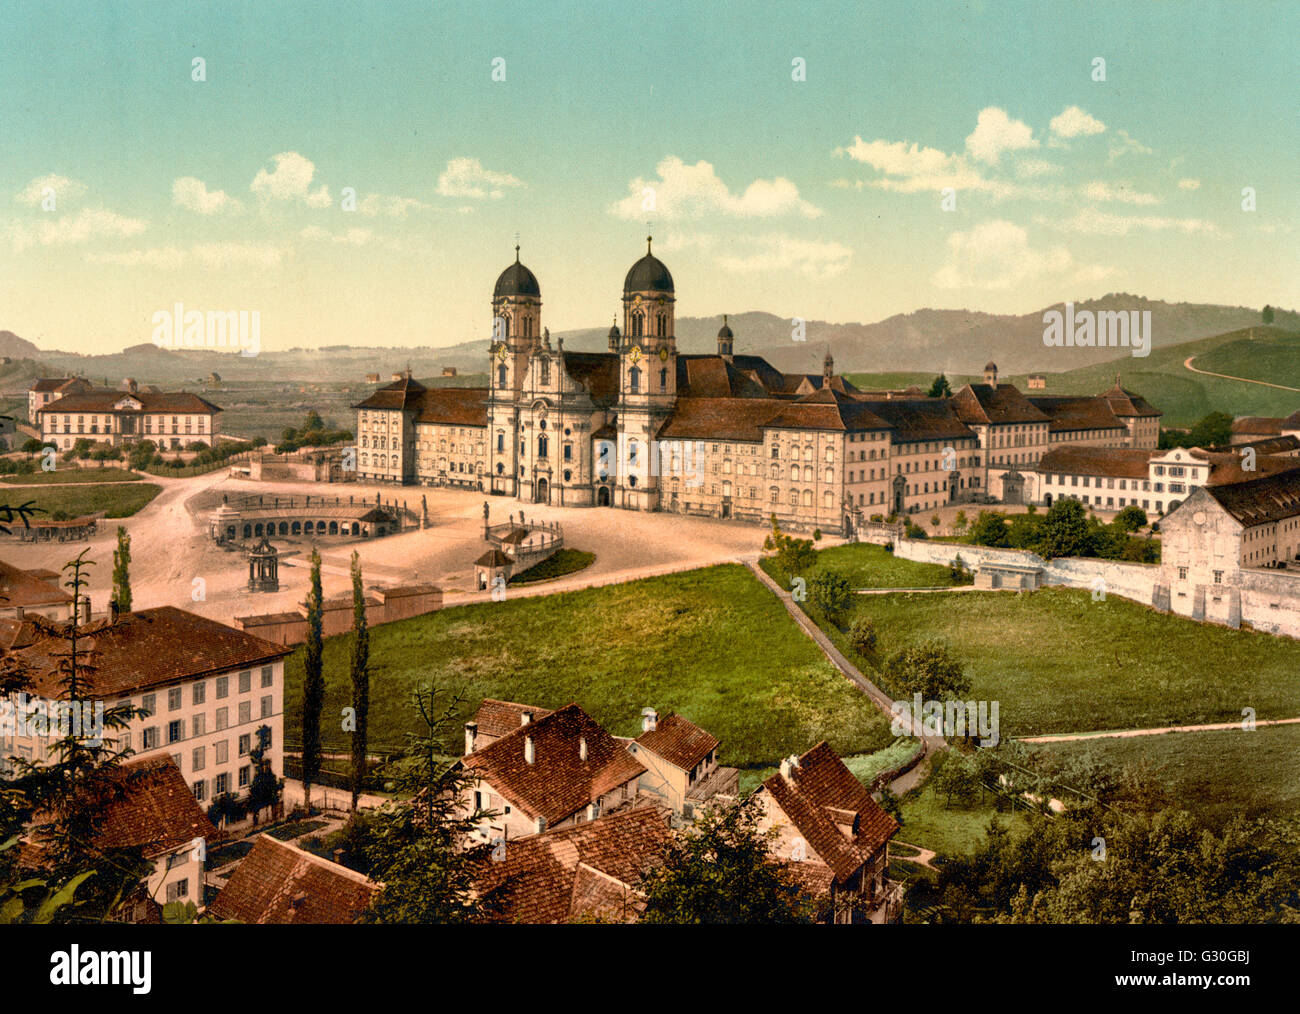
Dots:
pixel 290 180
pixel 996 132
pixel 1091 222
pixel 193 194
pixel 997 255
pixel 1029 168
pixel 1189 184
pixel 64 188
pixel 780 252
pixel 213 255
pixel 164 258
pixel 693 191
pixel 1123 143
pixel 1074 122
pixel 1123 194
pixel 67 230
pixel 911 168
pixel 355 236
pixel 466 177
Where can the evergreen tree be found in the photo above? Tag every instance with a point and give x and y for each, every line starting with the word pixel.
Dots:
pixel 360 680
pixel 940 388
pixel 122 571
pixel 313 683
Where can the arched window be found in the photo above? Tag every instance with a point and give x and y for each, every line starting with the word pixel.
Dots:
pixel 501 442
pixel 807 473
pixel 807 498
pixel 830 475
pixel 365 459
pixel 830 454
pixel 542 445
pixel 775 472
pixel 794 473
pixel 500 468
pixel 632 448
pixel 638 324
pixel 546 371
pixel 773 493
pixel 663 379
pixel 365 440
pixel 501 375
pixel 394 461
pixel 661 325
pixel 634 380
pixel 794 498
pixel 828 500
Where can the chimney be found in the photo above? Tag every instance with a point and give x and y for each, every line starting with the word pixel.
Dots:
pixel 582 748
pixel 593 811
pixel 471 734
pixel 789 766
pixel 649 719
pixel 525 717
pixel 530 754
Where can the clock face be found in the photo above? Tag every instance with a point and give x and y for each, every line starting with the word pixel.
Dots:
pixel 636 354
pixel 501 351
pixel 663 353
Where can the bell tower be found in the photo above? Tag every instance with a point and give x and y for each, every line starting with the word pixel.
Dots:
pixel 516 332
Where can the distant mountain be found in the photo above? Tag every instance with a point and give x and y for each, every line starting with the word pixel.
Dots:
pixel 953 341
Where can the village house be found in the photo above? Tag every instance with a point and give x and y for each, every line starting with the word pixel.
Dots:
pixel 24 590
pixel 681 762
pixel 50 389
pixel 590 871
pixel 554 771
pixel 280 884
pixel 832 836
pixel 1248 428
pixel 205 689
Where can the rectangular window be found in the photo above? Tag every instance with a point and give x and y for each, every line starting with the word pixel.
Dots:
pixel 149 704
pixel 178 889
pixel 221 750
pixel 245 712
pixel 174 699
pixel 198 758
pixel 223 687
pixel 244 774
pixel 266 707
pixel 200 724
pixel 223 718
pixel 149 738
pixel 245 742
pixel 175 731
pixel 245 681
pixel 221 784
pixel 268 675
pixel 199 693
pixel 200 789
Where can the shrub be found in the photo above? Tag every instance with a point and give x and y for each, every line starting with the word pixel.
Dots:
pixel 862 635
pixel 831 592
pixel 989 529
pixel 930 669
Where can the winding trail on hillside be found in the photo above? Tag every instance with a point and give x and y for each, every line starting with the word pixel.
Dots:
pixel 1245 380
pixel 1159 731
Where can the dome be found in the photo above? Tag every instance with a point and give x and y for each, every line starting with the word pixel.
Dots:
pixel 517 280
pixel 613 331
pixel 725 330
pixel 990 365
pixel 649 274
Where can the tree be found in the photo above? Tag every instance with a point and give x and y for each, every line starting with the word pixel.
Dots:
pixel 121 571
pixel 989 529
pixel 721 872
pixel 313 684
pixel 940 388
pixel 1214 430
pixel 930 669
pixel 264 790
pixel 957 779
pixel 417 847
pixel 1024 531
pixel 32 446
pixel 793 556
pixel 960 522
pixel 831 592
pixel 1267 315
pixel 360 680
pixel 1131 519
pixel 1065 530
pixel 862 635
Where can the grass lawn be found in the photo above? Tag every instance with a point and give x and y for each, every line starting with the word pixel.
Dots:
pixel 1056 661
pixel 867 566
pixel 565 561
pixel 1216 774
pixel 70 475
pixel 117 501
pixel 928 821
pixel 713 644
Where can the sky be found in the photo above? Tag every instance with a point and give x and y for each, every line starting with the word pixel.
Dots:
pixel 358 173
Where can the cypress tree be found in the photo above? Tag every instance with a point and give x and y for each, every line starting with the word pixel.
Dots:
pixel 360 679
pixel 313 684
pixel 122 571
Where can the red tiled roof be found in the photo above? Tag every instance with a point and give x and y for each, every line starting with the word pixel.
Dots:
pixel 22 588
pixel 1077 459
pixel 454 406
pixel 1071 414
pixel 405 393
pixel 280 884
pixel 1126 403
pixel 984 404
pixel 58 383
pixel 591 869
pixel 155 812
pixel 105 400
pixel 500 718
pixel 597 372
pixel 1261 500
pixel 146 649
pixel 679 742
pixel 914 420
pixel 821 783
pixel 559 782
pixel 697 418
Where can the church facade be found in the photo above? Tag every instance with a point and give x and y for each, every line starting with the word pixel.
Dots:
pixel 642 427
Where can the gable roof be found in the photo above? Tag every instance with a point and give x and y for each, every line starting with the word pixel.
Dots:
pixel 48 384
pixel 402 394
pixel 914 420
pixel 559 782
pixel 500 718
pixel 818 797
pixel 985 404
pixel 23 588
pixel 103 399
pixel 591 869
pixel 1126 403
pixel 144 649
pixel 742 419
pixel 155 811
pixel 678 741
pixel 1071 414
pixel 1262 500
pixel 1079 459
pixel 278 883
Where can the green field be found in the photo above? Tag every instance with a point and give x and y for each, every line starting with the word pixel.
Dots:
pixel 867 566
pixel 928 820
pixel 713 644
pixel 1215 774
pixel 72 475
pixel 118 501
pixel 1056 661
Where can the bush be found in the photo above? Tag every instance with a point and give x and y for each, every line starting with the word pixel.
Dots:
pixel 831 592
pixel 1131 519
pixel 989 529
pixel 929 669
pixel 862 635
